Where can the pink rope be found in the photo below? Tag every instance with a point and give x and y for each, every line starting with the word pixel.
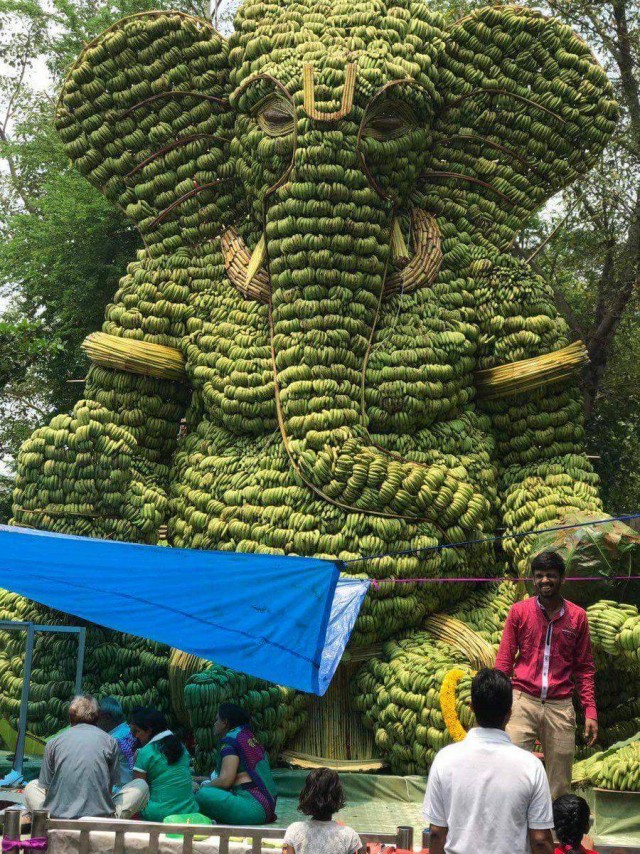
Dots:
pixel 376 582
pixel 37 843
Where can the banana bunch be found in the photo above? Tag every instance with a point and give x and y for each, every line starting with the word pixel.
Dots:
pixel 126 667
pixel 78 475
pixel 495 60
pixel 277 713
pixel 617 768
pixel 615 629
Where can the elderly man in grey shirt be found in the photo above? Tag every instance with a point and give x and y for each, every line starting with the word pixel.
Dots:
pixel 79 770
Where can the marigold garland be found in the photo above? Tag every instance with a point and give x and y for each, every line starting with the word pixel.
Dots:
pixel 448 703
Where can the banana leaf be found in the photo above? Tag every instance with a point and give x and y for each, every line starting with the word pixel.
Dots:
pixel 608 552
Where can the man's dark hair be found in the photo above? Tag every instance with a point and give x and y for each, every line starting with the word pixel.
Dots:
pixel 111 708
pixel 546 561
pixel 491 698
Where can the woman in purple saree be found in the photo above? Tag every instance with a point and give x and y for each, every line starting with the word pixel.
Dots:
pixel 242 790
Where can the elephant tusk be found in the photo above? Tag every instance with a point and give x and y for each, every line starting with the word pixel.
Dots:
pixel 399 251
pixel 245 269
pixel 256 261
pixel 422 269
pixel 238 262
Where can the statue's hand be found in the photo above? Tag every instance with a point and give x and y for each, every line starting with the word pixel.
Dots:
pixel 81 475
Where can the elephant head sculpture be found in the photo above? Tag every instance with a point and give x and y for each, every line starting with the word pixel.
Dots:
pixel 326 294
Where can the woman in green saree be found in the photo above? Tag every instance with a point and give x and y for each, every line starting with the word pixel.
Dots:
pixel 242 792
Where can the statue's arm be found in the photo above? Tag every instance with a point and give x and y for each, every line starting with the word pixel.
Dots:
pixel 537 418
pixel 103 470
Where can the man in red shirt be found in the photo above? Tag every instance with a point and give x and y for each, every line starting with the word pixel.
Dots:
pixel 550 637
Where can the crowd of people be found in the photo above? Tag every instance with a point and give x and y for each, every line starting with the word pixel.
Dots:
pixel 103 766
pixel 486 793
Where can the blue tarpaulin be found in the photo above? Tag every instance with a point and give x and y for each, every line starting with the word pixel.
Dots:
pixel 284 619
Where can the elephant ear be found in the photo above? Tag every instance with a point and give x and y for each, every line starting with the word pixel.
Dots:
pixel 526 109
pixel 143 115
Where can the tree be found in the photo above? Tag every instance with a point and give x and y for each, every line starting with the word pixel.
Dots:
pixel 593 258
pixel 609 198
pixel 62 246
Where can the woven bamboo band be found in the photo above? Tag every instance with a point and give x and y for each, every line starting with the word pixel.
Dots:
pixel 135 357
pixel 477 650
pixel 182 665
pixel 529 374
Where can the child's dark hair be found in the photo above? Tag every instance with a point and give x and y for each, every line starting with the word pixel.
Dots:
pixel 322 794
pixel 154 721
pixel 234 715
pixel 571 819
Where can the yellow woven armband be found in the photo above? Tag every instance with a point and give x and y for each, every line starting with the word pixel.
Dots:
pixel 459 635
pixel 135 357
pixel 529 374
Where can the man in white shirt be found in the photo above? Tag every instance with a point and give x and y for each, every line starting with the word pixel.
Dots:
pixel 484 794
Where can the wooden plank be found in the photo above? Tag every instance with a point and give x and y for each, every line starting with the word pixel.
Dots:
pixel 308 760
pixel 152 847
pixel 256 847
pixel 85 842
pixel 187 843
pixel 224 845
pixel 118 844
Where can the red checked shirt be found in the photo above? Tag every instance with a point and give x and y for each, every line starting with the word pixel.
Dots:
pixel 552 655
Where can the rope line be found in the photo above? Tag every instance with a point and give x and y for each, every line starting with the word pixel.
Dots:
pixel 499 537
pixel 376 582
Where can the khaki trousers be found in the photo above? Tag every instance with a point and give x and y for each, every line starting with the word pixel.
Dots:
pixel 131 799
pixel 553 724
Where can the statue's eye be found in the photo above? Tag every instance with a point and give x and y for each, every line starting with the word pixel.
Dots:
pixel 275 115
pixel 388 119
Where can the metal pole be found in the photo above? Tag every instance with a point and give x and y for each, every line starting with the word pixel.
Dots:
pixel 11 829
pixel 18 761
pixel 82 637
pixel 425 840
pixel 405 838
pixel 39 822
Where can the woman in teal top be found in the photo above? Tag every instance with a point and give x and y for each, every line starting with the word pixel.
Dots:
pixel 242 791
pixel 163 762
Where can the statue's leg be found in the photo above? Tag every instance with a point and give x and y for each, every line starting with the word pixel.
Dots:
pixel 416 695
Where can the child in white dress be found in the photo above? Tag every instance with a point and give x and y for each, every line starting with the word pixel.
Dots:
pixel 321 797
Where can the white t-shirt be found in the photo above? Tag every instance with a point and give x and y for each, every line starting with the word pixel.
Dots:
pixel 322 837
pixel 488 793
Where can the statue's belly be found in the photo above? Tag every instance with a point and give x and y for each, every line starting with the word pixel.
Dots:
pixel 240 493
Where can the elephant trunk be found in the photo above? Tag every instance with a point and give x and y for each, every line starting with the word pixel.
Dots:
pixel 328 235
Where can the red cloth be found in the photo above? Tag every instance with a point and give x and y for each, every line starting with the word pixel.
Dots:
pixel 571 657
pixel 562 849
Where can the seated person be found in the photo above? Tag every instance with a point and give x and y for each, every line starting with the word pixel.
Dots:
pixel 112 720
pixel 163 763
pixel 243 790
pixel 79 770
pixel 322 795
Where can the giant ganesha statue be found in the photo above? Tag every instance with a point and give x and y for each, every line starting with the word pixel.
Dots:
pixel 327 346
